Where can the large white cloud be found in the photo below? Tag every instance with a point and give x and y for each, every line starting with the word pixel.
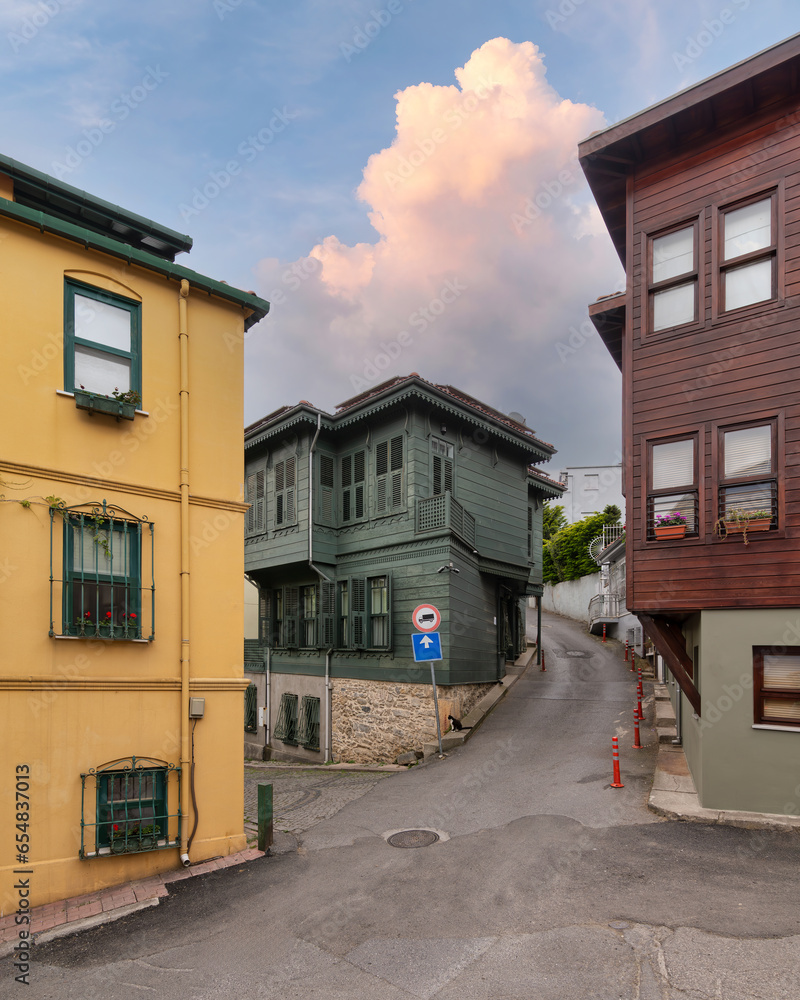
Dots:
pixel 488 250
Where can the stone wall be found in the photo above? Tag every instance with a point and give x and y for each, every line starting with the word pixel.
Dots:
pixel 374 721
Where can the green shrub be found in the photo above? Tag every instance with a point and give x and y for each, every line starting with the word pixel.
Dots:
pixel 566 555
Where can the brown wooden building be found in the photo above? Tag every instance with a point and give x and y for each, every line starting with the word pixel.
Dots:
pixel 701 197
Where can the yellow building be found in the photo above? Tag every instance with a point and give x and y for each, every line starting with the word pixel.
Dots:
pixel 121 546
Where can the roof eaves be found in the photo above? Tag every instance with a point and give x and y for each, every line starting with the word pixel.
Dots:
pixel 94 241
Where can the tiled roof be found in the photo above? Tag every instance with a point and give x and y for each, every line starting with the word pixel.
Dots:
pixel 449 390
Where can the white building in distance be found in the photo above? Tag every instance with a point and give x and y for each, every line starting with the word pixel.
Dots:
pixel 590 488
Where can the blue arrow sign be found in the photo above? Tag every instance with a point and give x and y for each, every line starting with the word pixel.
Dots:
pixel 427 646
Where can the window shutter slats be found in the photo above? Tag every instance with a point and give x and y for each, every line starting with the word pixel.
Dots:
pixel 291 612
pixel 397 453
pixel 673 464
pixel 265 617
pixel 328 614
pixel 382 458
pixel 358 612
pixel 748 452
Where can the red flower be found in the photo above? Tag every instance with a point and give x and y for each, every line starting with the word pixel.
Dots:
pixel 131 615
pixel 87 614
pixel 108 614
pixel 115 827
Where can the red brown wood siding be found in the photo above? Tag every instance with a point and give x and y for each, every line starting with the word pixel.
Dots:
pixel 724 369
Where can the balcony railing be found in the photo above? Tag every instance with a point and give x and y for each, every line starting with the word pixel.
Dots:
pixel 444 511
pixel 604 606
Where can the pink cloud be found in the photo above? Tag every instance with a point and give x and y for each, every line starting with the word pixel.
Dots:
pixel 488 247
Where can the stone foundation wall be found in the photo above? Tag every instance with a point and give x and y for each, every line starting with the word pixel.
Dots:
pixel 374 721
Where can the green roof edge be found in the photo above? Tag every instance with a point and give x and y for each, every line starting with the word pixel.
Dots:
pixel 95 241
pixel 14 168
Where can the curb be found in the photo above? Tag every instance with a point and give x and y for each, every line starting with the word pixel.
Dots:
pixel 674 795
pixel 77 913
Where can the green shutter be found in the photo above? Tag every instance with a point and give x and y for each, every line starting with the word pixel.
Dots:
pixel 358 612
pixel 325 511
pixel 327 615
pixel 389 475
pixel 308 730
pixel 265 628
pixel 291 612
pixel 251 709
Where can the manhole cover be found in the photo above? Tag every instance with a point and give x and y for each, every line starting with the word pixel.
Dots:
pixel 575 652
pixel 413 838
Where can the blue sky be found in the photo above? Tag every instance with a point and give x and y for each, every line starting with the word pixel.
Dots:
pixel 267 129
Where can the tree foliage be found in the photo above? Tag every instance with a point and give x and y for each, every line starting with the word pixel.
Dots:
pixel 553 520
pixel 566 555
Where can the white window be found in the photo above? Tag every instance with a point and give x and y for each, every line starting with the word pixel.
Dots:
pixel 748 254
pixel 673 279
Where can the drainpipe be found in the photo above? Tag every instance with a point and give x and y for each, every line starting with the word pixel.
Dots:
pixel 266 721
pixel 322 576
pixel 183 341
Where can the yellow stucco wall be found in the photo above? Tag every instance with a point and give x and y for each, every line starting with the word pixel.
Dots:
pixel 68 705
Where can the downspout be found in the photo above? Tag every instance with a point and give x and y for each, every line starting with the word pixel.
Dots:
pixel 322 576
pixel 266 721
pixel 186 775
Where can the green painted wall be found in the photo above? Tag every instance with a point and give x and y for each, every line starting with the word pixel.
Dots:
pixel 737 766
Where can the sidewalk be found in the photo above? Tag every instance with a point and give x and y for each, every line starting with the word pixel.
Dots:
pixel 80 912
pixel 674 794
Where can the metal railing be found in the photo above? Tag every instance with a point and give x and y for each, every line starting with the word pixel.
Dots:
pixel 444 511
pixel 604 606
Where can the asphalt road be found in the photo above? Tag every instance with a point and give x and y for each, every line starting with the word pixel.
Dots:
pixel 545 885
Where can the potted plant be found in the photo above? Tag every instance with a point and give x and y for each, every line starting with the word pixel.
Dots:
pixel 121 405
pixel 148 835
pixel 737 521
pixel 119 839
pixel 671 525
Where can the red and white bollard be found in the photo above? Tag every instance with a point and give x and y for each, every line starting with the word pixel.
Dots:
pixel 604 632
pixel 636 740
pixel 617 782
pixel 626 650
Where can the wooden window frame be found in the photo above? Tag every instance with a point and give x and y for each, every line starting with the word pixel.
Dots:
pixel 774 252
pixel 759 692
pixel 775 423
pixel 446 464
pixel 653 494
pixel 695 275
pixel 131 306
pixel 309 623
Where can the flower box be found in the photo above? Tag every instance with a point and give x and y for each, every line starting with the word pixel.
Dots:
pixel 93 403
pixel 669 530
pixel 756 524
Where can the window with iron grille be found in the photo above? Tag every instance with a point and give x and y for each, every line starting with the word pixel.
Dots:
pixel 251 708
pixel 285 484
pixel 353 473
pixel 442 458
pixel 286 726
pixel 776 678
pixel 102 589
pixel 308 732
pixel 125 807
pixel 389 475
pixel 255 495
pixel 102 341
pixel 673 482
pixel 748 481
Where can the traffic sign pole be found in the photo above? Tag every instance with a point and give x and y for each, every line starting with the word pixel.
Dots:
pixel 436 706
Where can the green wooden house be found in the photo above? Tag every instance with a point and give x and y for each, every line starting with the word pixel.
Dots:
pixel 410 493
